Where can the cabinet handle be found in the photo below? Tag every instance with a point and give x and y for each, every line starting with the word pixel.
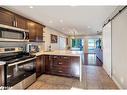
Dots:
pixel 16 23
pixel 60 63
pixel 65 57
pixel 60 71
pixel 55 56
pixel 13 23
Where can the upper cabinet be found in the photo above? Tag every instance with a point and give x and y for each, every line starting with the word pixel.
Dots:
pixel 20 22
pixel 6 18
pixel 35 31
pixel 32 31
pixel 39 33
pixel 12 19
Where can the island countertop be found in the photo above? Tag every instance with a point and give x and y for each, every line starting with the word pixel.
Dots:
pixel 60 52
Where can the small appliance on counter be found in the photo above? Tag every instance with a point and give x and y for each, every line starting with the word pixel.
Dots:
pixel 30 48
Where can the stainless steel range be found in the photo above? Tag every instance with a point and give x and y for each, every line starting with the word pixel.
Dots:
pixel 19 68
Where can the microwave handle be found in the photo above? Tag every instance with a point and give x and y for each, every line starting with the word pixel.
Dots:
pixel 24 35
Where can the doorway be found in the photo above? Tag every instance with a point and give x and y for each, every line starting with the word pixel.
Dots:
pixel 91 45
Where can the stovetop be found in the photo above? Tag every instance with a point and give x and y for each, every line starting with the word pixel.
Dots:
pixel 15 57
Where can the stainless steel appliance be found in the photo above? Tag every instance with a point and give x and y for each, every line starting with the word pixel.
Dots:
pixel 32 48
pixel 19 67
pixel 8 33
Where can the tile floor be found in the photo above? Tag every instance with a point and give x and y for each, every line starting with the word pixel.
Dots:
pixel 94 77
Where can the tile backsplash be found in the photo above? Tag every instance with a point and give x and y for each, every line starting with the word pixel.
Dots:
pixel 12 44
pixel 20 44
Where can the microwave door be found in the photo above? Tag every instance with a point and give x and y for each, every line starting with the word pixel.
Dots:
pixel 12 35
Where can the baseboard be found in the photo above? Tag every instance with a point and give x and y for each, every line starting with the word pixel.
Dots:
pixel 113 78
pixel 119 86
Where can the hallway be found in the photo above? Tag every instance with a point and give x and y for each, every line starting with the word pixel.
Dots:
pixel 91 59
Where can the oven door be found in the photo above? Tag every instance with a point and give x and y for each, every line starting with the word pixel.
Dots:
pixel 17 72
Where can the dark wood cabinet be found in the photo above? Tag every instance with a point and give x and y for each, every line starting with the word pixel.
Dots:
pixel 39 33
pixel 40 66
pixel 12 19
pixel 62 65
pixel 32 31
pixel 75 66
pixel 1 76
pixel 6 18
pixel 47 60
pixel 20 22
pixel 35 31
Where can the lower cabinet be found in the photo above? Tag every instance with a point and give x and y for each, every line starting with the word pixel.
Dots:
pixel 75 66
pixel 1 75
pixel 40 66
pixel 62 65
pixel 47 64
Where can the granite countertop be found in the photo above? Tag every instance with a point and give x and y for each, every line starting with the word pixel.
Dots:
pixel 60 52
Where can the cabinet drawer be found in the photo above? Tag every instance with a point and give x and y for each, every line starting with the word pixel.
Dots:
pixel 61 71
pixel 64 58
pixel 61 63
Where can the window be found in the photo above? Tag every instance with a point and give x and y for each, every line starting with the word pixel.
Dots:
pixel 91 45
pixel 77 43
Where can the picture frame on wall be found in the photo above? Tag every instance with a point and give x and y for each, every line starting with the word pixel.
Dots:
pixel 54 38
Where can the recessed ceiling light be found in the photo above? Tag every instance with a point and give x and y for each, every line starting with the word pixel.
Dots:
pixel 62 28
pixel 61 21
pixel 89 27
pixel 50 21
pixel 31 7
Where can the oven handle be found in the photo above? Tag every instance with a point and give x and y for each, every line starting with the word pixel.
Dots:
pixel 16 63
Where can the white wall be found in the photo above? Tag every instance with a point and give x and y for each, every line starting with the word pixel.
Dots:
pixel 62 43
pixel 119 49
pixel 54 46
pixel 107 48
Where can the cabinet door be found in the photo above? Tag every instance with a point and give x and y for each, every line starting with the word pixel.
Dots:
pixel 32 31
pixel 43 65
pixel 47 61
pixel 20 22
pixel 6 18
pixel 75 66
pixel 0 75
pixel 39 33
pixel 35 31
pixel 39 66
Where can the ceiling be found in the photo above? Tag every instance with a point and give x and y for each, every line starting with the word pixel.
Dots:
pixel 70 20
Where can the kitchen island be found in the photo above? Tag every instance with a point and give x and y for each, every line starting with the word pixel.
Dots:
pixel 63 62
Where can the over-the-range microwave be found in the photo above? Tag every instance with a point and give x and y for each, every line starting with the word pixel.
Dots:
pixel 13 34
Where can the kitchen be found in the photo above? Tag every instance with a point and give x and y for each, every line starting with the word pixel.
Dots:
pixel 31 51
pixel 21 48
